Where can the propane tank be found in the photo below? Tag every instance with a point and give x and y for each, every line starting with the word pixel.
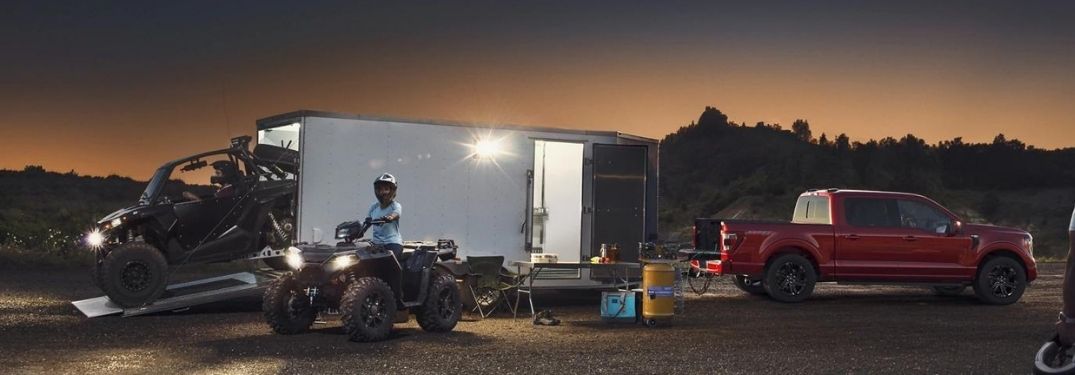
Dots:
pixel 658 292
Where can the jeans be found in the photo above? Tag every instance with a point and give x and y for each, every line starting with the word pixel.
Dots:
pixel 395 248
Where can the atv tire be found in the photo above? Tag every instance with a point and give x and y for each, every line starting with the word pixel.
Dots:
pixel 287 307
pixel 133 274
pixel 752 286
pixel 368 310
pixel 442 307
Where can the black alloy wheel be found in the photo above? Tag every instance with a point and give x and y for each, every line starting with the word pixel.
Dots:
pixel 790 278
pixel 1000 281
pixel 135 276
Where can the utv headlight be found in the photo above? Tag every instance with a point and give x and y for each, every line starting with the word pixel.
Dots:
pixel 95 239
pixel 345 261
pixel 115 222
pixel 293 257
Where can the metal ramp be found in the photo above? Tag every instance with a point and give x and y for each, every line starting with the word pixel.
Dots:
pixel 184 295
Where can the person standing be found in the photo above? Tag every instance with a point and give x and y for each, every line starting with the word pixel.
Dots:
pixel 388 209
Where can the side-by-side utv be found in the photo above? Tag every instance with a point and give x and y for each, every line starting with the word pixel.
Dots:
pixel 137 247
pixel 367 284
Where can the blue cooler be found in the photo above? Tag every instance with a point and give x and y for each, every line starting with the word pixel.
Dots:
pixel 619 307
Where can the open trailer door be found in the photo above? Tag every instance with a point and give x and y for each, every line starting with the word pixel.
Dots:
pixel 619 191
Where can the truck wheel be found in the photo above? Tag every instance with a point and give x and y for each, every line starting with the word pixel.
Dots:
pixel 369 308
pixel 790 278
pixel 287 307
pixel 442 307
pixel 133 274
pixel 752 286
pixel 949 291
pixel 1001 281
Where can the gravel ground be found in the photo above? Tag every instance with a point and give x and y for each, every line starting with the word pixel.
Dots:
pixel 841 329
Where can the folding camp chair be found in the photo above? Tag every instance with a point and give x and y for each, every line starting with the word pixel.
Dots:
pixel 489 280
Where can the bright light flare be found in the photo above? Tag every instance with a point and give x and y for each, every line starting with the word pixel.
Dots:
pixel 487 148
pixel 344 261
pixel 95 239
pixel 294 258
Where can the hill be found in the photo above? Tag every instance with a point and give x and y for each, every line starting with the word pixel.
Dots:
pixel 718 168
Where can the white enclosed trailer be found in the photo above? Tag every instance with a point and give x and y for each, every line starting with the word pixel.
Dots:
pixel 494 189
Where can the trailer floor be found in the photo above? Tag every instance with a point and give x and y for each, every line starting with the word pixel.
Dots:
pixel 861 329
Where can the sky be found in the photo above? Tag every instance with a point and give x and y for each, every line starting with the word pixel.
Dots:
pixel 120 88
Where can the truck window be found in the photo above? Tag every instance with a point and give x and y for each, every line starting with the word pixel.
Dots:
pixel 919 215
pixel 872 212
pixel 811 210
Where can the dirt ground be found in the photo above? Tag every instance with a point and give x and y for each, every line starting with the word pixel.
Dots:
pixel 841 329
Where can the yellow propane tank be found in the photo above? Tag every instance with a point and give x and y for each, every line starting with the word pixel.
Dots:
pixel 658 288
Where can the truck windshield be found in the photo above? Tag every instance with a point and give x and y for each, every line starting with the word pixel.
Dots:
pixel 811 209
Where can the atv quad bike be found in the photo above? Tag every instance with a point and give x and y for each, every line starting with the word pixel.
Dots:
pixel 365 282
pixel 137 247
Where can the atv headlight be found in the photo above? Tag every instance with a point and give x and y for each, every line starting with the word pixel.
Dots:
pixel 345 261
pixel 294 258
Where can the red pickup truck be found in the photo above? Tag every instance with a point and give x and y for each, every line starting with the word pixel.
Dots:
pixel 872 236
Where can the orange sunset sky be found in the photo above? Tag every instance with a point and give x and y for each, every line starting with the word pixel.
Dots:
pixel 121 88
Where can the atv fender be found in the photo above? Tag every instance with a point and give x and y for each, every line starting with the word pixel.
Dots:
pixel 455 268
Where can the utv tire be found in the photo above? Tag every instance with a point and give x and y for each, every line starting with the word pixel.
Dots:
pixel 790 278
pixel 1000 281
pixel 287 307
pixel 949 291
pixel 442 307
pixel 277 263
pixel 752 286
pixel 369 309
pixel 133 274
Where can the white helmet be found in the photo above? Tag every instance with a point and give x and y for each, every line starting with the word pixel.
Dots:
pixel 386 178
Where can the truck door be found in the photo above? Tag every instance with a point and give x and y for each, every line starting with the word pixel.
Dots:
pixel 869 241
pixel 619 191
pixel 933 254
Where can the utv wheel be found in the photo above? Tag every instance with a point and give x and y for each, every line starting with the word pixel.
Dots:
pixel 369 308
pixel 133 274
pixel 790 278
pixel 752 286
pixel 1001 281
pixel 949 291
pixel 442 306
pixel 287 307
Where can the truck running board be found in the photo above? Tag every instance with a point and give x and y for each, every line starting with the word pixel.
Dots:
pixel 184 295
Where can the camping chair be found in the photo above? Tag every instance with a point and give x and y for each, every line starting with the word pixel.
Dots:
pixel 489 281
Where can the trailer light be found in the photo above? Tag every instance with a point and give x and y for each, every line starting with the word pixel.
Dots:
pixel 486 148
pixel 95 239
pixel 293 258
pixel 344 261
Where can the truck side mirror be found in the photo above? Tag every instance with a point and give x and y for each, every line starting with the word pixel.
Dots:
pixel 955 228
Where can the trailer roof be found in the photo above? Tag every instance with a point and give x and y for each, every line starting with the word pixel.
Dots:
pixel 275 120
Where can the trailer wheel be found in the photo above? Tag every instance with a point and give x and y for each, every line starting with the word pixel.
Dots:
pixel 442 307
pixel 133 274
pixel 287 307
pixel 790 278
pixel 369 309
pixel 1000 281
pixel 752 286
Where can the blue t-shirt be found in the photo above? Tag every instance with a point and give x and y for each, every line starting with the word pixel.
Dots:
pixel 388 232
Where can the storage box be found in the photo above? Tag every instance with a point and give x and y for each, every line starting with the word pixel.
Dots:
pixel 543 258
pixel 619 306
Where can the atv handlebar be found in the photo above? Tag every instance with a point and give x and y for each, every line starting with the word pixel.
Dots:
pixel 352 230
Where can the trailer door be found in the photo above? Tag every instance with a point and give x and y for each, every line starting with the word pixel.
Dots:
pixel 619 196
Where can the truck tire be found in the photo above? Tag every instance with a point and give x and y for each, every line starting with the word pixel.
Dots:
pixel 287 307
pixel 790 278
pixel 1000 281
pixel 442 307
pixel 133 274
pixel 369 309
pixel 752 286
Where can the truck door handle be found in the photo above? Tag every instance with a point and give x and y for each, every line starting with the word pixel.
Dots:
pixel 910 238
pixel 851 236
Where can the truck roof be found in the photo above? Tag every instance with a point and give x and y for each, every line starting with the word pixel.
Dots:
pixel 835 191
pixel 275 120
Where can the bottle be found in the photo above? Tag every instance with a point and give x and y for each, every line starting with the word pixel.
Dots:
pixel 604 254
pixel 614 253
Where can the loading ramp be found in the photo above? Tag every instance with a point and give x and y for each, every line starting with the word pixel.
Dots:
pixel 184 295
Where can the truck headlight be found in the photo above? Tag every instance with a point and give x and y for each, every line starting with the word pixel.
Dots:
pixel 344 261
pixel 293 257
